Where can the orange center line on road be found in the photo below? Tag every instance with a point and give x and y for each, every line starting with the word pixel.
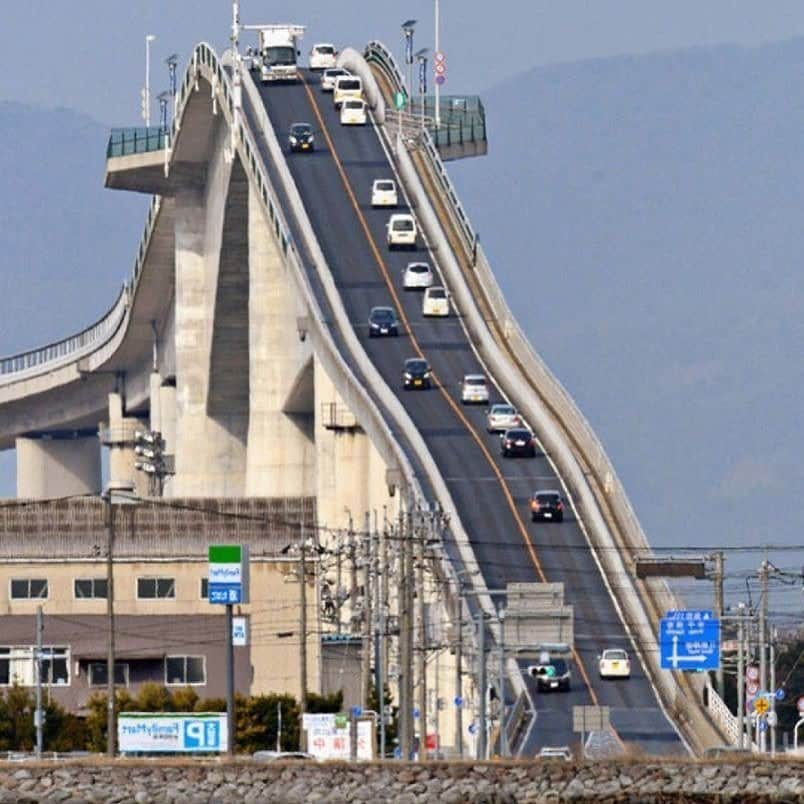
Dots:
pixel 450 401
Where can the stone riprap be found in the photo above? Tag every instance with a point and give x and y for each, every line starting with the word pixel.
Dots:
pixel 171 782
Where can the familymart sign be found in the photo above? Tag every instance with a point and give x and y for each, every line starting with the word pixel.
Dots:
pixel 228 574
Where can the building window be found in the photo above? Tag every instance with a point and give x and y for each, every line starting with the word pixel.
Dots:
pixel 90 588
pixel 98 676
pixel 185 670
pixel 17 666
pixel 205 589
pixel 156 588
pixel 28 588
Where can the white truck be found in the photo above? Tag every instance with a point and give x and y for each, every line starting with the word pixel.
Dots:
pixel 278 51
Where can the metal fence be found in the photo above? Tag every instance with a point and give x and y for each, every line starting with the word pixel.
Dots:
pixel 463 118
pixel 128 141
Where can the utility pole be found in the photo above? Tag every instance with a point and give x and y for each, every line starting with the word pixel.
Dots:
pixel 379 632
pixel 365 656
pixel 717 577
pixel 459 672
pixel 422 640
pixel 772 689
pixel 338 580
pixel 111 719
pixel 482 684
pixel 303 622
pixel 503 734
pixel 406 638
pixel 741 675
pixel 39 715
pixel 763 636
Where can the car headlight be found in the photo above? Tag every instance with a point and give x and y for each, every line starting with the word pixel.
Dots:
pixel 427 375
pixel 293 141
pixel 408 375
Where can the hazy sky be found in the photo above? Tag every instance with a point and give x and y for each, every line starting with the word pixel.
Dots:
pixel 88 55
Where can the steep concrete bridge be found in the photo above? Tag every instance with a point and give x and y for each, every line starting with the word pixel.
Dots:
pixel 241 337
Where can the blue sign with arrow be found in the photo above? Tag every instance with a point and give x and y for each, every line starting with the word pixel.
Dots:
pixel 689 640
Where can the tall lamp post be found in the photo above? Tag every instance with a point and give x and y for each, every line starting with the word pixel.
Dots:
pixel 117 493
pixel 408 26
pixel 437 50
pixel 146 91
pixel 421 60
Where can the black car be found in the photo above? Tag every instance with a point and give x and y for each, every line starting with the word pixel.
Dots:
pixel 546 505
pixel 518 442
pixel 552 676
pixel 382 322
pixel 416 374
pixel 301 137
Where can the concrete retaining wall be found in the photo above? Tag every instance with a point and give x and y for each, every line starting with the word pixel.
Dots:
pixel 141 782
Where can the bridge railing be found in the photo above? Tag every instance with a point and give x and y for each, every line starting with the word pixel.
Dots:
pixel 68 350
pixel 128 141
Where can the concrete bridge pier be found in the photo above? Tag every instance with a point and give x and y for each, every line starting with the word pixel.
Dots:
pixel 120 438
pixel 58 464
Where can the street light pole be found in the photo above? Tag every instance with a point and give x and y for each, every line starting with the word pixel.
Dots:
pixel 437 50
pixel 111 724
pixel 146 99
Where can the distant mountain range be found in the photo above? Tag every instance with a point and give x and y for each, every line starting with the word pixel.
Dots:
pixel 644 217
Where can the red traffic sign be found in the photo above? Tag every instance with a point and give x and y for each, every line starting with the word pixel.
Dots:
pixel 752 687
pixel 800 705
pixel 440 69
pixel 752 673
pixel 439 57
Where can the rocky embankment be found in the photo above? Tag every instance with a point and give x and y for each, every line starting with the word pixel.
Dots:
pixel 174 782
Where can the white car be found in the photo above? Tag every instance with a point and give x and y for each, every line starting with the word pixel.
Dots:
pixel 353 113
pixel 401 231
pixel 383 193
pixel 346 87
pixel 502 417
pixel 474 389
pixel 322 56
pixel 329 78
pixel 614 663
pixel 417 275
pixel 435 302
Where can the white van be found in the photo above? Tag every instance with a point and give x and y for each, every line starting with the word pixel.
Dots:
pixel 347 86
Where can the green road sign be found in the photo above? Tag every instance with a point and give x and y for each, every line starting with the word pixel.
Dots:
pixel 400 100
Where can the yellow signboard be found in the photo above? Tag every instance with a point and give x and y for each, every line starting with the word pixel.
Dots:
pixel 761 705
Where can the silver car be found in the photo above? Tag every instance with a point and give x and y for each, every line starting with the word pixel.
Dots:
pixel 502 417
pixel 330 76
pixel 474 389
pixel 417 275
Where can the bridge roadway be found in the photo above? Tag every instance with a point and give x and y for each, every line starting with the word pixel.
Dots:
pixel 491 493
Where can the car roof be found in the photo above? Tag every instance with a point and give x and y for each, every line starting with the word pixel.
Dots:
pixel 474 377
pixel 415 360
pixel 306 125
pixel 323 44
pixel 377 181
pixel 382 308
pixel 418 263
pixel 547 491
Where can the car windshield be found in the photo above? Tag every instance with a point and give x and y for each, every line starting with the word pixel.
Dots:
pixel 354 104
pixel 559 667
pixel 403 225
pixel 348 84
pixel 382 314
pixel 615 655
pixel 503 410
pixel 279 55
pixel 437 293
pixel 475 381
pixel 384 185
pixel 416 366
pixel 301 129
pixel 419 268
pixel 550 499
pixel 325 50
pixel 518 434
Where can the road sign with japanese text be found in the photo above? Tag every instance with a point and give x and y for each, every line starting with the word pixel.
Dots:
pixel 689 640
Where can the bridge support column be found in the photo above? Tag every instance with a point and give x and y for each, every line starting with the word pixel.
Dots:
pixel 120 439
pixel 281 451
pixel 58 465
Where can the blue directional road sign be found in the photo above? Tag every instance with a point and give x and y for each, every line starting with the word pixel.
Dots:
pixel 689 640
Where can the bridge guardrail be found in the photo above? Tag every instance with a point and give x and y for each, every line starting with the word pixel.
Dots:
pixel 128 141
pixel 70 349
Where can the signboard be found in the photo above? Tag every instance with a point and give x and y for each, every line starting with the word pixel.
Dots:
pixel 399 100
pixel 689 640
pixel 590 718
pixel 228 574
pixel 440 68
pixel 151 733
pixel 761 705
pixel 326 739
pixel 752 673
pixel 239 632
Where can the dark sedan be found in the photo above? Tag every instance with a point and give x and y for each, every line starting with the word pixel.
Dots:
pixel 382 322
pixel 416 374
pixel 301 137
pixel 518 442
pixel 546 505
